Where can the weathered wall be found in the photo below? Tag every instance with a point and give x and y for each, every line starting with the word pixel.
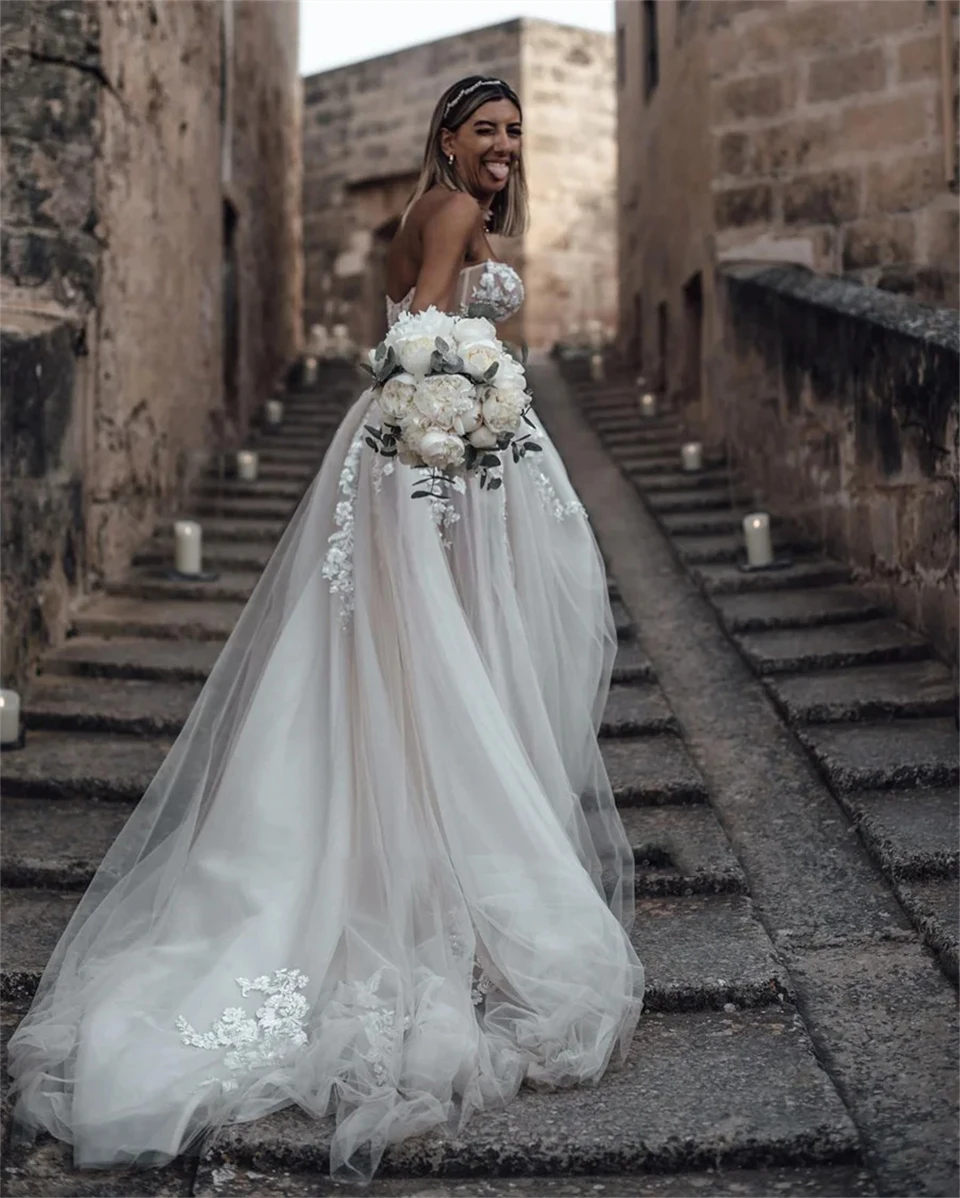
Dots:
pixel 840 403
pixel 364 128
pixel 113 272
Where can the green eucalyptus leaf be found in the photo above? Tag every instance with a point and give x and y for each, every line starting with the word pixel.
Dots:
pixel 442 345
pixel 494 483
pixel 380 351
pixel 373 445
pixel 491 371
pixel 489 459
pixel 421 495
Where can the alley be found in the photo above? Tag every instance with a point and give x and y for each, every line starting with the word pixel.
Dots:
pixel 798 1034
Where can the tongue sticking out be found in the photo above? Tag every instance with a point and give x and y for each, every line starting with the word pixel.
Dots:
pixel 499 170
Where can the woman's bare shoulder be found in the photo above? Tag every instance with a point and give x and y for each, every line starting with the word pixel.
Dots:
pixel 445 209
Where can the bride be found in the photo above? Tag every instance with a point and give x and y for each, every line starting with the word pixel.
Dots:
pixel 380 873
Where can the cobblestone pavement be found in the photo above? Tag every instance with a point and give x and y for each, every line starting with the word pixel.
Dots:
pixel 799 1035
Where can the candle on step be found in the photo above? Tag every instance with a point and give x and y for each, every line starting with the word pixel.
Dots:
pixel 756 531
pixel 596 366
pixel 188 546
pixel 641 384
pixel 691 455
pixel 274 412
pixel 648 404
pixel 247 463
pixel 9 718
pixel 310 372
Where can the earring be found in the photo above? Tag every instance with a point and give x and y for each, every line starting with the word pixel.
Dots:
pixel 450 159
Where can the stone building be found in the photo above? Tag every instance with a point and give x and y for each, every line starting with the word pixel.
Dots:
pixel 364 129
pixel 151 285
pixel 822 135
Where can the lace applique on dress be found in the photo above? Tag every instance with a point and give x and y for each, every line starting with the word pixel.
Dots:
pixel 549 497
pixel 378 1020
pixel 445 515
pixel 264 1038
pixel 500 287
pixel 338 563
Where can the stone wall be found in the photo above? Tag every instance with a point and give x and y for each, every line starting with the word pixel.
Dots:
pixel 113 274
pixel 840 404
pixel 364 129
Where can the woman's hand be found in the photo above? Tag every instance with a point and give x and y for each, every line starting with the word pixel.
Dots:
pixel 446 237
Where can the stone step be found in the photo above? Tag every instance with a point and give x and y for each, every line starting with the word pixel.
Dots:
pixel 694 499
pixel 130 706
pixel 832 646
pixel 120 615
pixel 652 770
pixel 633 422
pixel 147 583
pixel 57 844
pixel 898 689
pixel 727 547
pixel 213 487
pixel 60 765
pixel 269 473
pixel 294 455
pixel 631 664
pixel 911 834
pixel 895 754
pixel 681 851
pixel 633 457
pixel 677 480
pixel 932 906
pixel 217 554
pixel 637 710
pixel 244 507
pixel 664 439
pixel 671 1106
pixel 623 620
pixel 225 528
pixel 666 464
pixel 728 579
pixel 697 524
pixel 133 657
pixel 811 608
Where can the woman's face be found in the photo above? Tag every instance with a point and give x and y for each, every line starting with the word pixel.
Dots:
pixel 486 147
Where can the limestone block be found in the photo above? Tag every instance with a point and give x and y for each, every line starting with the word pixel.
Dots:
pixel 903 184
pixel 826 198
pixel 741 206
pixel 879 241
pixel 842 75
pixel 880 124
pixel 749 97
pixel 919 58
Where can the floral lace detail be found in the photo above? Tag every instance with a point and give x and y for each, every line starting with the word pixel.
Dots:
pixel 382 1028
pixel 338 563
pixel 549 497
pixel 445 515
pixel 480 988
pixel 500 287
pixel 379 468
pixel 252 1042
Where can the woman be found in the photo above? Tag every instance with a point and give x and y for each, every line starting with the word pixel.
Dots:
pixel 380 873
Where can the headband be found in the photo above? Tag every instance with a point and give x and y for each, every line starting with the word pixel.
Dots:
pixel 472 88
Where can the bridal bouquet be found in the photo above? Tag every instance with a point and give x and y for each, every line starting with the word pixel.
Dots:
pixel 451 399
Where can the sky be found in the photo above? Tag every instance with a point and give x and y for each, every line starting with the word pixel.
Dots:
pixel 334 33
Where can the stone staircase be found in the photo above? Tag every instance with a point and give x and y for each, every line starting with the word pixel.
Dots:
pixel 723 1091
pixel 865 695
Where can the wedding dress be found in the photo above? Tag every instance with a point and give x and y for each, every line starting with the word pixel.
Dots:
pixel 380 873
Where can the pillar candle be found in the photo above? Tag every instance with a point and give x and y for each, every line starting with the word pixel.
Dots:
pixel 648 404
pixel 756 530
pixel 310 372
pixel 9 717
pixel 188 546
pixel 274 412
pixel 596 366
pixel 247 462
pixel 691 455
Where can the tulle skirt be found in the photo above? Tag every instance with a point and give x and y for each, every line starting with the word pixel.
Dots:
pixel 380 873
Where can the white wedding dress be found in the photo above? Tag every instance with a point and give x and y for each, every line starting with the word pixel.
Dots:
pixel 380 873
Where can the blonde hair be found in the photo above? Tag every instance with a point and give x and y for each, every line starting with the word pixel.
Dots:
pixel 457 104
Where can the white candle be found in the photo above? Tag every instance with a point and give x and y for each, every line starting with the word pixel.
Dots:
pixel 756 530
pixel 641 383
pixel 648 404
pixel 310 371
pixel 247 462
pixel 9 717
pixel 596 366
pixel 691 455
pixel 274 412
pixel 187 536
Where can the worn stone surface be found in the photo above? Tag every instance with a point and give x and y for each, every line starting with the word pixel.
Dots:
pixel 912 833
pixel 134 706
pixel 152 583
pixel 57 844
pixel 134 657
pixel 702 953
pixel 696 524
pixel 681 850
pixel 32 921
pixel 652 484
pixel 651 770
pixel 652 467
pixel 898 689
pixel 243 506
pixel 694 499
pixel 698 1090
pixel 64 765
pixel 622 620
pixel 831 646
pixel 631 664
pixel 895 754
pixel 47 1169
pixel 118 615
pixel 225 528
pixel 637 709
pixel 262 488
pixel 218 554
pixel 796 609
pixel 723 579
pixel 720 547
pixel 932 905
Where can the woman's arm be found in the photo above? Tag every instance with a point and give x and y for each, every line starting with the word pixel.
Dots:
pixel 445 237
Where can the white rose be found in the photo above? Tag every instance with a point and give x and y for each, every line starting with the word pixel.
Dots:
pixel 444 398
pixel 503 408
pixel 414 353
pixel 440 449
pixel 479 356
pixel 472 329
pixel 396 396
pixel 483 438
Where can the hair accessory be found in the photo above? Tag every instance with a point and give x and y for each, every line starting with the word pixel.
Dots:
pixel 472 88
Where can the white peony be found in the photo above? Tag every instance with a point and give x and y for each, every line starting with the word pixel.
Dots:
pixel 503 407
pixel 412 428
pixel 430 323
pixel 414 353
pixel 479 356
pixel 469 420
pixel 511 371
pixel 396 396
pixel 483 438
pixel 472 329
pixel 445 398
pixel 440 450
